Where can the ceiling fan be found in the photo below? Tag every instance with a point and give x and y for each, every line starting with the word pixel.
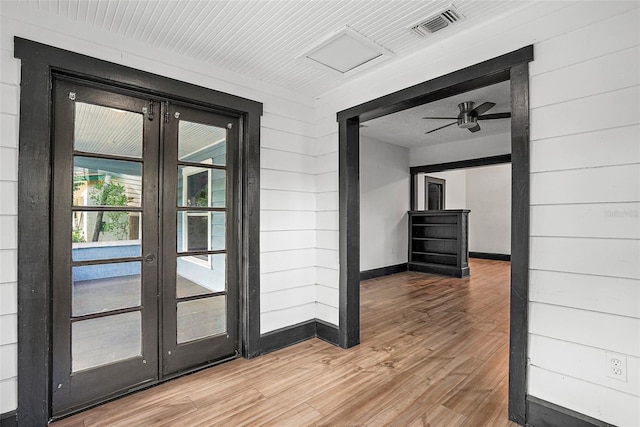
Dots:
pixel 469 116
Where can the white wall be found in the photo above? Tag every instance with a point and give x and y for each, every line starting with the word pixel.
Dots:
pixel 585 187
pixel 483 146
pixel 455 196
pixel 288 172
pixel 384 202
pixel 489 199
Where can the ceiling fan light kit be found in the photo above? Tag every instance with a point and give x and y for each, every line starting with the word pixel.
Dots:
pixel 467 121
pixel 469 116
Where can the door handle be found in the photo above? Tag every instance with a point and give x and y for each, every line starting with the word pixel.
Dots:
pixel 149 258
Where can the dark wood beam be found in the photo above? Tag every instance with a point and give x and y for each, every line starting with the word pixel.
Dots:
pixel 519 317
pixel 349 226
pixel 463 164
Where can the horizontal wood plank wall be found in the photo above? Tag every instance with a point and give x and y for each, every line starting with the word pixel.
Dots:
pixel 288 222
pixel 287 177
pixel 585 221
pixel 326 152
pixel 9 105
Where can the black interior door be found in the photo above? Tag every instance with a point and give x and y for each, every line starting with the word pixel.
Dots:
pixel 105 227
pixel 144 230
pixel 200 299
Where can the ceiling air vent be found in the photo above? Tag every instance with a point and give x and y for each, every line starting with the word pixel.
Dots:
pixel 437 22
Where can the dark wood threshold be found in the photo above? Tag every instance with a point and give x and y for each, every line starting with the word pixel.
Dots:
pixel 541 413
pixel 383 271
pixel 9 419
pixel 289 335
pixel 488 255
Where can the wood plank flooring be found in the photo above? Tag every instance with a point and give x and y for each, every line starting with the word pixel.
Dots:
pixel 433 352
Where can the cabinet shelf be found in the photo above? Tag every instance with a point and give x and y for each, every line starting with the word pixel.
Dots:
pixel 441 239
pixel 436 254
pixel 438 242
pixel 434 225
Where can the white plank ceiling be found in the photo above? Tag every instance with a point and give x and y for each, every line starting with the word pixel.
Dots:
pixel 262 38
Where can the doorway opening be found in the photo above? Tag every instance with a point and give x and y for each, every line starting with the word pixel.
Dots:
pixel 512 67
pixel 165 217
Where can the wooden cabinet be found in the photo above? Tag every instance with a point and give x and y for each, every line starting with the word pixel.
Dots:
pixel 438 242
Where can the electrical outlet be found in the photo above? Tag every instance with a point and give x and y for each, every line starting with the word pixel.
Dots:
pixel 616 365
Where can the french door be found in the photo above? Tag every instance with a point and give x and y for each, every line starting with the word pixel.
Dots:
pixel 144 232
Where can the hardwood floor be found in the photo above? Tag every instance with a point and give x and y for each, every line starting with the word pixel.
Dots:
pixel 433 352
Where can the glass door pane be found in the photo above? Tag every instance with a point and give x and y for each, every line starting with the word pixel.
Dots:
pixel 201 318
pixel 201 187
pixel 105 340
pixel 101 286
pixel 202 300
pixel 105 227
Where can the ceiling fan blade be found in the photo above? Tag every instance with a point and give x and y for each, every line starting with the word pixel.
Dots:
pixel 441 127
pixel 495 116
pixel 476 128
pixel 482 108
pixel 440 118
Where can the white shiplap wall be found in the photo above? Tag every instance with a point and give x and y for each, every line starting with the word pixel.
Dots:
pixel 288 172
pixel 287 227
pixel 585 218
pixel 585 189
pixel 326 156
pixel 9 82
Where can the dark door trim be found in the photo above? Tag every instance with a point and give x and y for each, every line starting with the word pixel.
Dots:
pixel 512 66
pixel 40 65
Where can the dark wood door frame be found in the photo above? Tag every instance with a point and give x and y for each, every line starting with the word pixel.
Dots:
pixel 41 64
pixel 513 66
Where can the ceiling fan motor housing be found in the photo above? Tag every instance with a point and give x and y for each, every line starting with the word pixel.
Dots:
pixel 466 120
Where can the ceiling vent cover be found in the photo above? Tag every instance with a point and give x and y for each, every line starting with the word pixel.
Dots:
pixel 437 22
